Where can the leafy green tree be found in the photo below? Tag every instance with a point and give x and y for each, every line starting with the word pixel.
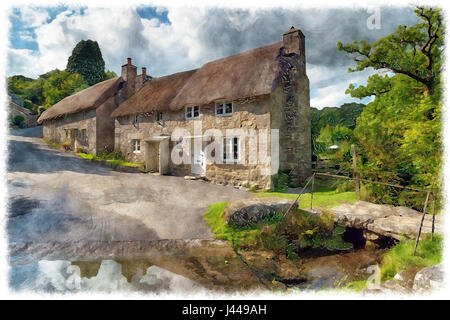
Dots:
pixel 110 74
pixel 399 132
pixel 415 52
pixel 16 84
pixel 345 116
pixel 87 60
pixel 60 85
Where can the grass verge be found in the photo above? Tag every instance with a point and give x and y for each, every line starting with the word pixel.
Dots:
pixel 323 198
pixel 115 162
pixel 400 258
pixel 281 235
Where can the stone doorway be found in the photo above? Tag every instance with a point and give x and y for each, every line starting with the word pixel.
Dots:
pixel 157 154
pixel 73 133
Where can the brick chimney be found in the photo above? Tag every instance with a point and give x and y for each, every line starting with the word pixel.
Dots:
pixel 294 43
pixel 144 71
pixel 129 74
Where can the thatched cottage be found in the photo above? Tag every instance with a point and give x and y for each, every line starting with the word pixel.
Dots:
pixel 254 91
pixel 83 120
pixel 261 89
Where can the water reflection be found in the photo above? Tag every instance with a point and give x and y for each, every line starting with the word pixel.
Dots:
pixel 105 276
pixel 187 268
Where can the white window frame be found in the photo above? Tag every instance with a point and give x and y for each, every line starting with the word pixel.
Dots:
pixel 134 119
pixel 191 108
pixel 159 116
pixel 228 144
pixel 222 104
pixel 136 145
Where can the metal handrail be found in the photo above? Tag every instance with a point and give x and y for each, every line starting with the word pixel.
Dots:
pixel 429 192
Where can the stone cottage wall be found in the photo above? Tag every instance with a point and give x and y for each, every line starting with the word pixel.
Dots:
pixel 105 126
pixel 291 115
pixel 55 129
pixel 248 114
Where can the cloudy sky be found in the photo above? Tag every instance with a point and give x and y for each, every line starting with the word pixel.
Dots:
pixel 173 39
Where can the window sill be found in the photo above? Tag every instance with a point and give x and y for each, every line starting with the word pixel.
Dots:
pixel 224 115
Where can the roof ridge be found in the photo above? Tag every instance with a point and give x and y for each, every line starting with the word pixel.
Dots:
pixel 246 52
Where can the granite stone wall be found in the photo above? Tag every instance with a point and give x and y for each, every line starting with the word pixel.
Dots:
pixel 248 114
pixel 57 130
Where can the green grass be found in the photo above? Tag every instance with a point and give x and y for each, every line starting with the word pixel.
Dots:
pixel 86 156
pixel 323 198
pixel 52 143
pixel 400 257
pixel 278 234
pixel 122 163
pixel 114 162
pixel 356 285
pixel 235 235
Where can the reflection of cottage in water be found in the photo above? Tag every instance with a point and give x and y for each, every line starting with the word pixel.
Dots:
pixel 260 89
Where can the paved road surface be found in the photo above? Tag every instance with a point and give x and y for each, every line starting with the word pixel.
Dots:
pixel 55 196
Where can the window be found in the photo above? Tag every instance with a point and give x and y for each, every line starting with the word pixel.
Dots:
pixel 83 135
pixel 224 109
pixel 192 112
pixel 159 116
pixel 231 149
pixel 136 145
pixel 134 119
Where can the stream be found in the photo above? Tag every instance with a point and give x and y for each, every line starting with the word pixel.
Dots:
pixel 202 267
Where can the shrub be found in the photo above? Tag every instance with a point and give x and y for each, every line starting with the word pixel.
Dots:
pixel 17 120
pixel 344 185
pixel 281 182
pixel 80 150
pixel 281 235
pixel 66 145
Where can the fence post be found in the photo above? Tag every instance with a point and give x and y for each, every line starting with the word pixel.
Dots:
pixel 421 222
pixel 312 189
pixel 434 213
pixel 355 173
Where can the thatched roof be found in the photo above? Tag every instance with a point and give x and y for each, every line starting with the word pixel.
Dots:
pixel 87 99
pixel 247 74
pixel 154 95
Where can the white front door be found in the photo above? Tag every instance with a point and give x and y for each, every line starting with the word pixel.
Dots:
pixel 198 163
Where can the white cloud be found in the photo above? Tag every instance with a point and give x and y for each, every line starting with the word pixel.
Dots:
pixel 26 35
pixel 33 17
pixel 25 61
pixel 329 86
pixel 121 33
pixel 193 37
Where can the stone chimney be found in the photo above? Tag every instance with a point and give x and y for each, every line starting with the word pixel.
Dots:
pixel 294 43
pixel 141 79
pixel 129 74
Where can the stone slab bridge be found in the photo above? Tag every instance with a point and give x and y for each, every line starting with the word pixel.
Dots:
pixel 384 220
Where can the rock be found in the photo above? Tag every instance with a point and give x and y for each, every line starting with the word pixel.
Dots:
pixel 428 279
pixel 385 220
pixel 398 277
pixel 387 287
pixel 249 211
